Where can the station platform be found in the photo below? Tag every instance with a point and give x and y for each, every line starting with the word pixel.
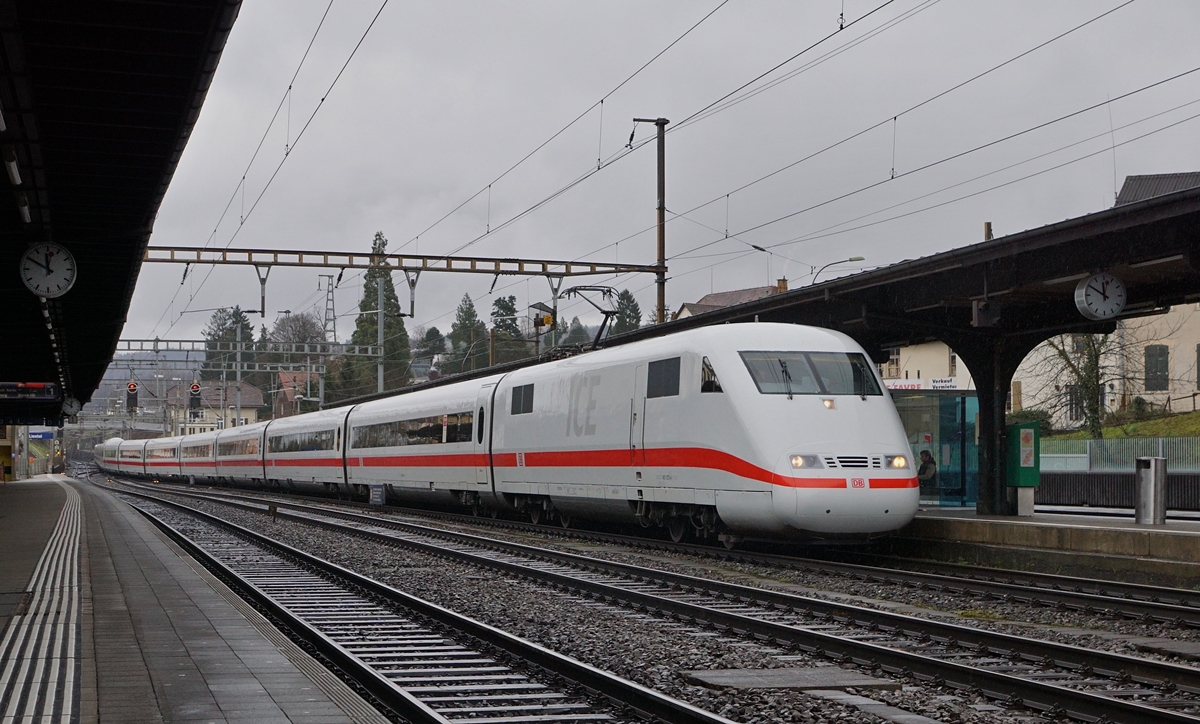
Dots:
pixel 104 619
pixel 1085 543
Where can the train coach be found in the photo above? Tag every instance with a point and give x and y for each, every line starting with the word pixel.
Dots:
pixel 730 430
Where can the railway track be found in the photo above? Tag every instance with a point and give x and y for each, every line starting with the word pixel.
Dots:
pixel 1175 606
pixel 1061 680
pixel 425 663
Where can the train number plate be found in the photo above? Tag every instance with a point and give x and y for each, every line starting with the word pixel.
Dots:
pixel 858 483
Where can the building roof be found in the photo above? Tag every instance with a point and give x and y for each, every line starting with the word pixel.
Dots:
pixel 1140 188
pixel 99 99
pixel 292 384
pixel 717 300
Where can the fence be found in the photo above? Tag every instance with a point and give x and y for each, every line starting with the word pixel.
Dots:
pixel 1118 455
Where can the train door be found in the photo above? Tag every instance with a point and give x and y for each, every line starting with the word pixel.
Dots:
pixel 482 434
pixel 637 418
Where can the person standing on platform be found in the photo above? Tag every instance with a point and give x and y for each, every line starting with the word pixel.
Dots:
pixel 927 474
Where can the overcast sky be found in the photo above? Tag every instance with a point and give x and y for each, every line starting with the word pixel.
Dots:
pixel 442 98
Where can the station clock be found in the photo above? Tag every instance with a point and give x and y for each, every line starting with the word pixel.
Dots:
pixel 48 270
pixel 1100 296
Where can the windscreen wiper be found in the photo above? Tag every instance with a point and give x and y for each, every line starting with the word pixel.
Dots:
pixel 787 377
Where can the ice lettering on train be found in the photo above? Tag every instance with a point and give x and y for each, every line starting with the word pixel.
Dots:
pixel 582 404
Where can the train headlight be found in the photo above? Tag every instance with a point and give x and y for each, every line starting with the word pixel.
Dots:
pixel 897 462
pixel 806 461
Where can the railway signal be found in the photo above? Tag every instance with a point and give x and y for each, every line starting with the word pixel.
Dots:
pixel 194 397
pixel 131 397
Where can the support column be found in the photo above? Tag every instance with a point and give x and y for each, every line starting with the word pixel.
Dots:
pixel 993 360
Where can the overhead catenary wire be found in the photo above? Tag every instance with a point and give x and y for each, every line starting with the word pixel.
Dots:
pixel 299 135
pixel 565 128
pixel 892 118
pixel 254 156
pixel 631 147
pixel 955 156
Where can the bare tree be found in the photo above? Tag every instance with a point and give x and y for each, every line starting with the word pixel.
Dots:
pixel 301 328
pixel 1086 378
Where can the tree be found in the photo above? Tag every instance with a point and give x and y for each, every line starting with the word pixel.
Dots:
pixel 357 375
pixel 577 334
pixel 468 338
pixel 222 330
pixel 1085 379
pixel 504 316
pixel 629 314
pixel 302 328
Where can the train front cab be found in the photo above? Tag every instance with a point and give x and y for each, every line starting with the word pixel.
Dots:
pixel 835 454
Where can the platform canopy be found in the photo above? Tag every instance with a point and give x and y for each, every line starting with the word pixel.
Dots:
pixel 994 301
pixel 98 99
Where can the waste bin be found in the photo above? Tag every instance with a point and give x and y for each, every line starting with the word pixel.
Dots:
pixel 1150 505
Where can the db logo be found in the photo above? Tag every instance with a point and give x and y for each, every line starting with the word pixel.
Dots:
pixel 858 483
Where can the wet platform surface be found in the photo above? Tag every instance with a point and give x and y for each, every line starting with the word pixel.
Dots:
pixel 102 619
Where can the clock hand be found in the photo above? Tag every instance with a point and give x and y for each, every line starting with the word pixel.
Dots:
pixel 35 261
pixel 1098 291
pixel 49 255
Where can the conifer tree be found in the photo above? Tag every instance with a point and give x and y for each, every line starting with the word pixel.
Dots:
pixel 357 375
pixel 629 314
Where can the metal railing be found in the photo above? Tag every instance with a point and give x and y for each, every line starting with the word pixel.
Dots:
pixel 1119 454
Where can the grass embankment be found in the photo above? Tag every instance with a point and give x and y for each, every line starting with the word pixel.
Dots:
pixel 1182 425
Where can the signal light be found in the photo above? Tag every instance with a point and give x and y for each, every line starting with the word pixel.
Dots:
pixel 132 387
pixel 194 401
pixel 131 402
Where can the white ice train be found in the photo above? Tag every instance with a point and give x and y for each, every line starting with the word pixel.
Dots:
pixel 733 430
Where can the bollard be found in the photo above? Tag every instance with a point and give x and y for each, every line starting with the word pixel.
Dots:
pixel 1150 503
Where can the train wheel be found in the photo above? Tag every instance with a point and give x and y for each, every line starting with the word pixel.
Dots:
pixel 535 514
pixel 677 527
pixel 564 520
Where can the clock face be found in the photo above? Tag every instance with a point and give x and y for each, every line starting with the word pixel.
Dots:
pixel 1100 296
pixel 48 270
pixel 71 406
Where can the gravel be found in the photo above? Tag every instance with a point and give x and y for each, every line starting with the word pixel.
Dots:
pixel 654 652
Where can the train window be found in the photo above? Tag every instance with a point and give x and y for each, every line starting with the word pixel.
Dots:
pixel 479 419
pixel 198 451
pixel 310 441
pixel 238 447
pixel 844 374
pixel 436 429
pixel 708 378
pixel 811 373
pixel 522 400
pixel 662 378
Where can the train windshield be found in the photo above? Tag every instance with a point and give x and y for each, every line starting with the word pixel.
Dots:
pixel 811 373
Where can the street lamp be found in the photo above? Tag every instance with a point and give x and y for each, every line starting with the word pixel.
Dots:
pixel 843 261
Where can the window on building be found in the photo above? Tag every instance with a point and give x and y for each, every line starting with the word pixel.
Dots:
pixel 708 378
pixel 1075 410
pixel 662 378
pixel 1078 343
pixel 890 370
pixel 1157 368
pixel 953 367
pixel 522 400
